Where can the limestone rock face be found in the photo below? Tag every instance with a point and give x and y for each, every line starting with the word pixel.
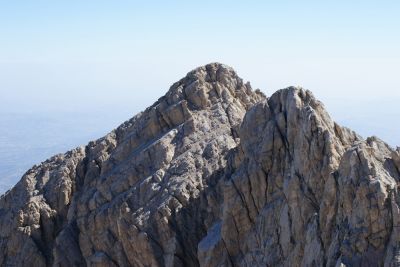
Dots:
pixel 212 174
pixel 303 191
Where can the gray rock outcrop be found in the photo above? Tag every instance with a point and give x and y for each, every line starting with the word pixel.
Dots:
pixel 212 174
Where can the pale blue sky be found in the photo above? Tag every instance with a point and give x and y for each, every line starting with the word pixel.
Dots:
pixel 67 56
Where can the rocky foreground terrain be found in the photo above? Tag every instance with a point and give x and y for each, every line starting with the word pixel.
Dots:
pixel 212 174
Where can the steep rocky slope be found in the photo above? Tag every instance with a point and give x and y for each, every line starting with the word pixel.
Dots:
pixel 212 174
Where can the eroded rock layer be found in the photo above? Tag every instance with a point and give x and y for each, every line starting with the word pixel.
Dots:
pixel 212 174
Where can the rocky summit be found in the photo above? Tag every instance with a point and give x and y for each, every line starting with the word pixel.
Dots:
pixel 212 174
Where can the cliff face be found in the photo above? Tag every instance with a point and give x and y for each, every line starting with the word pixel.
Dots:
pixel 213 174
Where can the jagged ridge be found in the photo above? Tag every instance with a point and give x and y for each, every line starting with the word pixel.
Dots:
pixel 212 174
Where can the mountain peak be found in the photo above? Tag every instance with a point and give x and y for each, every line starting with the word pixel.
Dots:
pixel 212 174
pixel 214 72
pixel 209 84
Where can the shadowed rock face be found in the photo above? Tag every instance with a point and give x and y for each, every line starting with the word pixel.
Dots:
pixel 213 174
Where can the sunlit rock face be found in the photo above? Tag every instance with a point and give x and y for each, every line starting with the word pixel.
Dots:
pixel 212 174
